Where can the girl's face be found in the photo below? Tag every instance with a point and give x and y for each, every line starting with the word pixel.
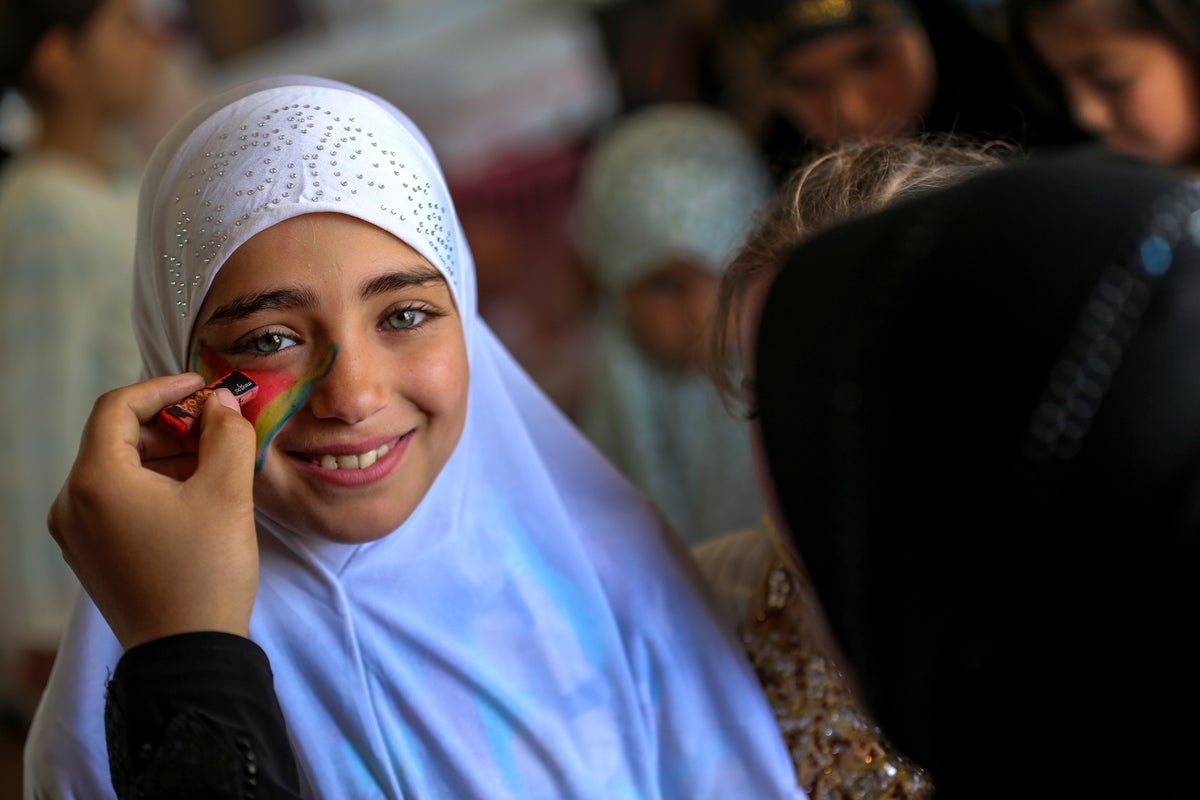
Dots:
pixel 358 349
pixel 668 311
pixel 858 85
pixel 1133 91
pixel 117 59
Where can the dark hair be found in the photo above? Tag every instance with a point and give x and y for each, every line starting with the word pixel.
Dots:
pixel 1175 21
pixel 23 24
pixel 833 187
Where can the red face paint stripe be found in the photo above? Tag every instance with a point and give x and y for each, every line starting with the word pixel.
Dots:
pixel 280 393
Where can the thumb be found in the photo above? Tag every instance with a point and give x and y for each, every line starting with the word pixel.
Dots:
pixel 225 460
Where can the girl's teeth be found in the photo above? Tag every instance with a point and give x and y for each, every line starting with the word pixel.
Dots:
pixel 361 461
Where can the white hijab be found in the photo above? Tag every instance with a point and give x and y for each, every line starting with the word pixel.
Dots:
pixel 530 631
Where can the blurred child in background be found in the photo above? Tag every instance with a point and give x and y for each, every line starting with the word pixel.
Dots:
pixel 665 199
pixel 981 412
pixel 1128 71
pixel 838 750
pixel 816 73
pixel 67 224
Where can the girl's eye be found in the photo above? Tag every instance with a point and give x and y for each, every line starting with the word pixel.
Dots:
pixel 666 287
pixel 265 343
pixel 805 86
pixel 870 58
pixel 1111 84
pixel 406 318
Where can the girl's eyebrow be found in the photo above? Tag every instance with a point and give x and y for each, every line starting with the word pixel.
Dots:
pixel 282 299
pixel 1094 62
pixel 395 281
pixel 249 304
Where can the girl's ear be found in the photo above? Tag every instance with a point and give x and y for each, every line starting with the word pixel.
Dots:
pixel 52 63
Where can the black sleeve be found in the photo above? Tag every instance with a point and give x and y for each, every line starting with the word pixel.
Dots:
pixel 196 716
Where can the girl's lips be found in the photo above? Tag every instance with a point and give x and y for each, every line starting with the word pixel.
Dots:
pixel 345 467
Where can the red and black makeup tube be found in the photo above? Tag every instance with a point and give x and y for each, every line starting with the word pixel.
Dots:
pixel 179 418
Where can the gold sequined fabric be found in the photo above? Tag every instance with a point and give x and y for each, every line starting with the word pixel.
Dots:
pixel 838 750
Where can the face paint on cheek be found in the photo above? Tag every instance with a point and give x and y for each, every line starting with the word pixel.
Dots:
pixel 207 363
pixel 280 393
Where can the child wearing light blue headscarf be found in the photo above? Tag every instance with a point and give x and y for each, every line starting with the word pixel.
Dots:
pixel 666 198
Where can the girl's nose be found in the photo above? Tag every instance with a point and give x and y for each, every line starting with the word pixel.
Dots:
pixel 1090 111
pixel 853 110
pixel 355 387
pixel 701 300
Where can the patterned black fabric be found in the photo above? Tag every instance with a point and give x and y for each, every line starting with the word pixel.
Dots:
pixel 195 716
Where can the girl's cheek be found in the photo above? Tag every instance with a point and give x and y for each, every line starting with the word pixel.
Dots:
pixel 280 395
pixel 208 363
pixel 280 392
pixel 273 385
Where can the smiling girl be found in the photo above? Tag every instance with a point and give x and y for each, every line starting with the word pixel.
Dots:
pixel 458 596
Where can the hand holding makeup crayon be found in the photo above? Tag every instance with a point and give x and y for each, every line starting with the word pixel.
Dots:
pixel 180 418
pixel 160 530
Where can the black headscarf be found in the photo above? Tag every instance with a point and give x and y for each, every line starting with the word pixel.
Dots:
pixel 981 409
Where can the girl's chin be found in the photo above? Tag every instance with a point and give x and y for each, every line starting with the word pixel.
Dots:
pixel 360 536
pixel 358 525
pixel 343 534
pixel 347 528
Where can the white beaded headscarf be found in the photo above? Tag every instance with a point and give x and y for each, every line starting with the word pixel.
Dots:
pixel 245 161
pixel 675 180
pixel 529 631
